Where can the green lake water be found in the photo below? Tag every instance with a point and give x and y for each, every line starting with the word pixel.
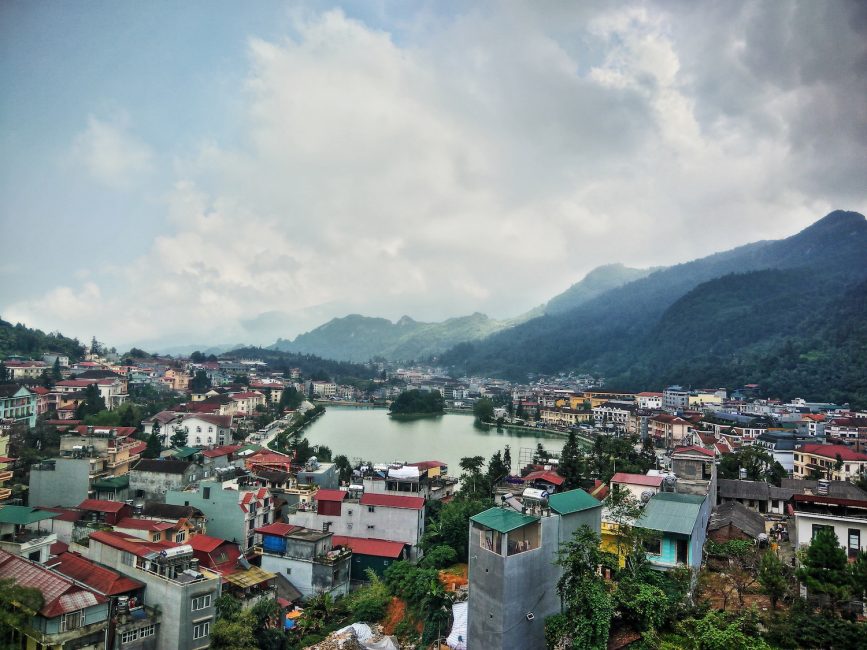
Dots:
pixel 370 434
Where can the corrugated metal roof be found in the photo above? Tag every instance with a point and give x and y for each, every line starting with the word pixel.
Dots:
pixel 503 519
pixel 392 501
pixel 672 513
pixel 249 577
pixel 22 515
pixel 331 495
pixel 376 547
pixel 566 503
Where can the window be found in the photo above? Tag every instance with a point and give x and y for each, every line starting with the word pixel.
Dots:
pixel 180 536
pixel 818 527
pixel 288 571
pixel 201 630
pixel 653 546
pixel 210 429
pixel 141 633
pixel 370 526
pixel 206 493
pixel 854 541
pixel 155 537
pixel 371 509
pixel 198 429
pixel 72 621
pixel 200 602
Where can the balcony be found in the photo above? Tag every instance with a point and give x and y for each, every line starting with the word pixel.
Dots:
pixel 25 542
pixel 5 475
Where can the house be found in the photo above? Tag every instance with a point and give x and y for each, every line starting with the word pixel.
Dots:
pixel 151 478
pixel 640 486
pixel 544 479
pixel 649 400
pixel 17 404
pixel 63 482
pixel 170 513
pixel 307 558
pixel 374 554
pixel 428 479
pixel 734 521
pixel 26 532
pixel 29 369
pixel 104 512
pixel 139 624
pixel 71 616
pixel 63 524
pixel 246 582
pixel 670 430
pixel 837 462
pixel 202 429
pixel 677 523
pixel 156 531
pixel 185 592
pixel 781 444
pixel 512 549
pixel 846 517
pixel 370 515
pixel 323 475
pixel 233 509
pixel 675 399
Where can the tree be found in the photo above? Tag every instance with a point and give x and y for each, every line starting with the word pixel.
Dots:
pixel 483 409
pixel 180 437
pixel 17 605
pixel 758 463
pixel 474 484
pixel 588 607
pixel 625 511
pixel 773 576
pixel 234 633
pixel 451 525
pixel 571 466
pixel 4 372
pixel 344 468
pixel 290 398
pixel 507 458
pixel 540 455
pixel 196 357
pixel 497 469
pixel 824 568
pixel 200 382
pixel 742 563
pixel 93 402
pixel 56 374
pixel 154 444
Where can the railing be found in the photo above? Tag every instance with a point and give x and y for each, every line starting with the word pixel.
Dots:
pixel 5 475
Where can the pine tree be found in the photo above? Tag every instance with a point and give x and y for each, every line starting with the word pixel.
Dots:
pixel 571 466
pixel 180 437
pixel 507 458
pixel 825 569
pixel 154 447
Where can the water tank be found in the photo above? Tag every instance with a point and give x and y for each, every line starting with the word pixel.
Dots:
pixel 822 487
pixel 534 494
pixel 742 473
pixel 646 496
pixel 177 551
pixel 123 604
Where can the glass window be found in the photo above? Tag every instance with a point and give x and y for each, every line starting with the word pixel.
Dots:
pixel 201 630
pixel 72 621
pixel 653 546
pixel 201 602
pixel 818 527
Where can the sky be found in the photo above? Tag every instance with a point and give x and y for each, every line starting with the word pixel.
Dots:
pixel 222 172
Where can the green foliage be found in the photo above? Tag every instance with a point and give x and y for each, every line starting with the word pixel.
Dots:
pixel 610 452
pixel 290 398
pixel 369 603
pixel 775 577
pixel 180 436
pixel 17 605
pixel 803 628
pixel 127 414
pixel 200 382
pixel 18 339
pixel 571 466
pixel 415 402
pixel 759 464
pixel 483 409
pixel 311 366
pixel 717 631
pixel 154 447
pixel 641 605
pixel 93 403
pixel 451 525
pixel 234 634
pixel 825 569
pixel 439 557
pixel 586 601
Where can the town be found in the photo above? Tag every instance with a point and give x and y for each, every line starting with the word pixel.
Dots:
pixel 164 502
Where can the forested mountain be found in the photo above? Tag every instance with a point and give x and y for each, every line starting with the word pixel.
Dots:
pixel 312 366
pixel 595 283
pixel 765 312
pixel 21 340
pixel 361 338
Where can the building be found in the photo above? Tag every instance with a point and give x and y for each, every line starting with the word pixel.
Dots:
pixel 104 512
pixel 29 369
pixel 640 486
pixel 675 399
pixel 669 430
pixel 837 462
pixel 71 615
pixel 233 510
pixel 307 558
pixel 27 532
pixel 153 530
pixel 246 582
pixel 323 475
pixel 649 400
pixel 427 479
pixel 735 521
pixel 677 523
pixel 368 516
pixel 781 443
pixel 846 517
pixel 150 479
pixel 17 404
pixel 371 554
pixel 512 550
pixel 60 482
pixel 185 592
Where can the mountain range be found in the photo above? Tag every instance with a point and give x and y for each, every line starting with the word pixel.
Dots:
pixel 786 313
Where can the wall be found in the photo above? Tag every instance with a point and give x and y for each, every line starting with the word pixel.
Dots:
pixel 66 485
pixel 802 532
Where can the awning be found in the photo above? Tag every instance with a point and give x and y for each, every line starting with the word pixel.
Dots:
pixel 249 577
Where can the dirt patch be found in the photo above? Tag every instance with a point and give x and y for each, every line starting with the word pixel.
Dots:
pixel 393 615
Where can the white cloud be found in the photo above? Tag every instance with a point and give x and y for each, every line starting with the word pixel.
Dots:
pixel 111 153
pixel 484 166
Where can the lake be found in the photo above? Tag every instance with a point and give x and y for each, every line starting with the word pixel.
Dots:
pixel 370 434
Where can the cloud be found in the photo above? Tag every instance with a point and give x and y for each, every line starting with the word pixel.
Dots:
pixel 484 163
pixel 111 153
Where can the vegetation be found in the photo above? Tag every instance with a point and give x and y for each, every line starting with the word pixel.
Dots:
pixel 311 366
pixel 22 340
pixel 250 629
pixel 417 402
pixel 758 463
pixel 483 409
pixel 17 605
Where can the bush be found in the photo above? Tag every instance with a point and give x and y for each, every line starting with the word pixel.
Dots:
pixel 439 557
pixel 369 604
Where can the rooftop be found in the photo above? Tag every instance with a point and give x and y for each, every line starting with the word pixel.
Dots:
pixel 566 503
pixel 23 515
pixel 376 547
pixel 637 479
pixel 672 513
pixel 100 579
pixel 503 520
pixel 392 501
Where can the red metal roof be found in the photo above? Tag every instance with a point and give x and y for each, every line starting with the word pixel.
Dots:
pixel 637 479
pixel 100 579
pixel 65 514
pixel 278 529
pixel 428 464
pixel 377 547
pixel 59 595
pixel 832 451
pixel 205 543
pixel 545 475
pixel 134 545
pixel 330 495
pixel 392 501
pixel 693 448
pixel 216 452
pixel 834 501
pixel 98 505
pixel 143 524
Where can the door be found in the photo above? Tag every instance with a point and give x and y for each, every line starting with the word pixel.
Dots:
pixel 682 549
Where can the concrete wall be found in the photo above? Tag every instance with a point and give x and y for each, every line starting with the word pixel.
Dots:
pixel 65 486
pixel 801 533
pixel 311 578
pixel 156 485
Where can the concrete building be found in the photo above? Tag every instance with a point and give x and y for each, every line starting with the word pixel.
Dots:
pixel 669 430
pixel 678 523
pixel 152 478
pixel 63 482
pixel 512 572
pixel 27 532
pixel 233 510
pixel 323 475
pixel 837 462
pixel 185 592
pixel 846 517
pixel 369 516
pixel 17 404
pixel 638 485
pixel 781 443
pixel 307 558
pixel 675 399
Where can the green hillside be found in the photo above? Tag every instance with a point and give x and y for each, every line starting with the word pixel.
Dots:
pixel 595 283
pixel 24 341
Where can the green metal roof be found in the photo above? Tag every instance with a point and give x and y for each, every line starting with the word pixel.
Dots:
pixel 503 519
pixel 185 452
pixel 566 503
pixel 112 483
pixel 22 515
pixel 668 512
